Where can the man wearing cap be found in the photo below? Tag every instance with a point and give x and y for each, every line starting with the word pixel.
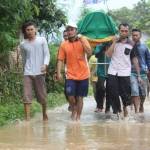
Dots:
pixel 73 52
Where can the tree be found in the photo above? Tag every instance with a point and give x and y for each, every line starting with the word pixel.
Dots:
pixel 137 17
pixel 47 16
pixel 122 15
pixel 11 16
pixel 141 14
pixel 14 13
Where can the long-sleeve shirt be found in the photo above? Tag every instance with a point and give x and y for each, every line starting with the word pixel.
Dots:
pixel 35 54
pixel 143 56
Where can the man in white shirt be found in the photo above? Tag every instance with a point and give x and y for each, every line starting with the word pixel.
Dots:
pixel 118 83
pixel 36 57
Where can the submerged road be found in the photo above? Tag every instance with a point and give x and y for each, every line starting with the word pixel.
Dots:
pixel 94 132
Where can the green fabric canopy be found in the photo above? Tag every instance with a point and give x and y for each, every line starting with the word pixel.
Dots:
pixel 97 25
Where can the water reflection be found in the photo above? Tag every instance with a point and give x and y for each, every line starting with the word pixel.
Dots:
pixel 74 137
pixel 94 132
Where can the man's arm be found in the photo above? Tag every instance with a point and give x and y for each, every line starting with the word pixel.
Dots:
pixel 59 68
pixel 86 45
pixel 46 56
pixel 137 67
pixel 110 50
pixel 147 57
pixel 61 57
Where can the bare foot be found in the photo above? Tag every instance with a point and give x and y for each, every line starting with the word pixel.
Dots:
pixel 73 115
pixel 45 117
pixel 69 108
pixel 78 118
pixel 125 111
pixel 27 118
pixel 98 110
pixel 141 109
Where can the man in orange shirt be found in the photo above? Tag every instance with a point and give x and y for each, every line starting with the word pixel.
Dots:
pixel 74 52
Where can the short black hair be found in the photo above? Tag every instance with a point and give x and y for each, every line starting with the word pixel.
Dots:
pixel 26 24
pixel 136 30
pixel 123 24
pixel 64 31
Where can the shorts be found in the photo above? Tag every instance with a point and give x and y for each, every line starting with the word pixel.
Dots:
pixel 138 89
pixel 38 84
pixel 77 87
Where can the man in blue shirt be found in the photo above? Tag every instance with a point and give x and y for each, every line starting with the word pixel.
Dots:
pixel 139 89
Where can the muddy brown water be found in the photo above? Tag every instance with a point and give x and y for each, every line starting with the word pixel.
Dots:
pixel 94 132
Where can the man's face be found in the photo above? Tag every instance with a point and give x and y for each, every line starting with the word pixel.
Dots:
pixel 65 36
pixel 124 31
pixel 30 31
pixel 136 36
pixel 72 32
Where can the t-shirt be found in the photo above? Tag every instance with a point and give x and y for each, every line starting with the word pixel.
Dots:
pixel 143 56
pixel 120 64
pixel 75 58
pixel 35 54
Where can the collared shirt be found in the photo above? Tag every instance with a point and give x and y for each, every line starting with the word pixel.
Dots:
pixel 35 54
pixel 76 61
pixel 143 56
pixel 120 64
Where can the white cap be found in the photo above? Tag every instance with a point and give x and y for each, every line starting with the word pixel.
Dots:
pixel 71 24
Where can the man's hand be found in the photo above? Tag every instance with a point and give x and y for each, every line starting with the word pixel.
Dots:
pixel 115 38
pixel 59 76
pixel 148 75
pixel 86 45
pixel 55 76
pixel 43 69
pixel 140 80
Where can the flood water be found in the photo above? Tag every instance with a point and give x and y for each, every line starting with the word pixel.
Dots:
pixel 94 132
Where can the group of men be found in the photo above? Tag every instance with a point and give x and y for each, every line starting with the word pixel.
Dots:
pixel 126 76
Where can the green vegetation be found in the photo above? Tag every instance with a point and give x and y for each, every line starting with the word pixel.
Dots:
pixel 11 90
pixel 49 19
pixel 12 14
pixel 148 43
pixel 136 17
pixel 12 111
pixel 11 106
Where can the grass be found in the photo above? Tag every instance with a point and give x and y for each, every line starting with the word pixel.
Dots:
pixel 11 111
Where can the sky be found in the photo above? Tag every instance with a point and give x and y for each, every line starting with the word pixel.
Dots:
pixel 75 10
pixel 111 4
pixel 116 4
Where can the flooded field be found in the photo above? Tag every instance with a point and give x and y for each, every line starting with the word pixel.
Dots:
pixel 94 132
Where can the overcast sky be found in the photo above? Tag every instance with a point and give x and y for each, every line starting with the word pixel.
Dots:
pixel 114 4
pixel 74 12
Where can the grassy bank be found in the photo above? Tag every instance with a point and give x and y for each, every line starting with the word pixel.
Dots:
pixel 12 111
